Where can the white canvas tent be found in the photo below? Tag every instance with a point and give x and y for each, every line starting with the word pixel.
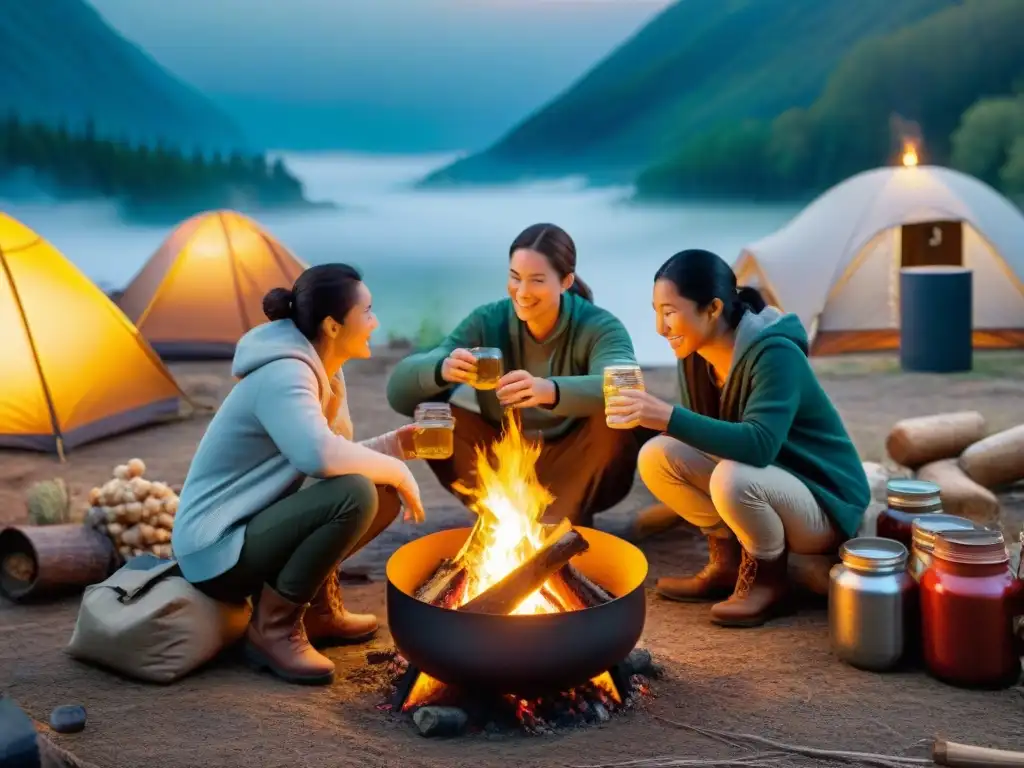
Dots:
pixel 836 264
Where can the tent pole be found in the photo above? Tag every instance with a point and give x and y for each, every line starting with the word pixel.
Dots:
pixel 246 325
pixel 55 423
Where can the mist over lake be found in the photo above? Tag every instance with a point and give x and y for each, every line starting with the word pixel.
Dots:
pixel 440 253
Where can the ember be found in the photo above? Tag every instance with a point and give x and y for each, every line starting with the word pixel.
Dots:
pixel 512 576
pixel 451 710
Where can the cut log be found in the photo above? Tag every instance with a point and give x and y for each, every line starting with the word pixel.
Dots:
pixel 450 576
pixel 588 593
pixel 432 588
pixel 453 592
pixel 503 597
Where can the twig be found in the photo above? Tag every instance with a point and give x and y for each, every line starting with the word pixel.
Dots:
pixel 885 761
pixel 757 759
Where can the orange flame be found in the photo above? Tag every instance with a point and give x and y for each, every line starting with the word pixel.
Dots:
pixel 510 501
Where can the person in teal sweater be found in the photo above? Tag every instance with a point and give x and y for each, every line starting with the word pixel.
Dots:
pixel 555 344
pixel 756 456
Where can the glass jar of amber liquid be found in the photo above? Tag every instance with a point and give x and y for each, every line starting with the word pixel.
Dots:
pixel 489 367
pixel 969 599
pixel 907 500
pixel 616 379
pixel 433 434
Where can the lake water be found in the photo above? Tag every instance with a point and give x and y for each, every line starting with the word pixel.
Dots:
pixel 437 254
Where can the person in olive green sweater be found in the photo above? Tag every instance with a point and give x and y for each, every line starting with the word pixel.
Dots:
pixel 756 456
pixel 555 344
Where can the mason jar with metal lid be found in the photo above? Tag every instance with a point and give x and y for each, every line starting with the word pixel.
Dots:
pixel 907 499
pixel 872 600
pixel 969 598
pixel 924 530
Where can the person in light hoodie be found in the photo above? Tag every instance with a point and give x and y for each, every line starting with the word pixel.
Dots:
pixel 246 526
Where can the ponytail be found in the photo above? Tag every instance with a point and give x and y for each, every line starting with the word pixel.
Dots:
pixel 581 289
pixel 747 299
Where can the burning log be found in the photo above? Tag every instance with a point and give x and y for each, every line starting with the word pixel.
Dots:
pixel 505 595
pixel 589 593
pixel 447 582
pixel 434 587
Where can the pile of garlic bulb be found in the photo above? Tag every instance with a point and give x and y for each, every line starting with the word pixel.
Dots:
pixel 137 514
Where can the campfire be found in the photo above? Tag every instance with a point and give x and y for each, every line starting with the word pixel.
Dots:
pixel 516 616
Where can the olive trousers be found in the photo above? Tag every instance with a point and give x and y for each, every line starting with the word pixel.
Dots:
pixel 294 544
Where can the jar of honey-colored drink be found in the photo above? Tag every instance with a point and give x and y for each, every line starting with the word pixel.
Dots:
pixel 489 367
pixel 969 600
pixel 433 434
pixel 616 379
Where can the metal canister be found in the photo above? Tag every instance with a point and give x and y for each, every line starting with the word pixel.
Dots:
pixel 924 530
pixel 871 601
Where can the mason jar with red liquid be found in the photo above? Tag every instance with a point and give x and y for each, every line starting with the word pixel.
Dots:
pixel 907 500
pixel 969 602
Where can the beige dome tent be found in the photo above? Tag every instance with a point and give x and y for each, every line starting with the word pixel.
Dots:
pixel 204 287
pixel 836 265
pixel 72 367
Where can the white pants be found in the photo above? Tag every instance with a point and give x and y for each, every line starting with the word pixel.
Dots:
pixel 767 508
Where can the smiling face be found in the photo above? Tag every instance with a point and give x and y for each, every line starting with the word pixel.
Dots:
pixel 686 327
pixel 351 339
pixel 534 286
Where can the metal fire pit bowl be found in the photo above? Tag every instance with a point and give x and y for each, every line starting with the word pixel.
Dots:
pixel 517 654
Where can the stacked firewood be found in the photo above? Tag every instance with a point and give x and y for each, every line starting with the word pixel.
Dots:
pixel 137 514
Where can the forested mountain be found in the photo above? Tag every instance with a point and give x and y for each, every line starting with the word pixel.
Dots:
pixel 951 83
pixel 61 62
pixel 696 66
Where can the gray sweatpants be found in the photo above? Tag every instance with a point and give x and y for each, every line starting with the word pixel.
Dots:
pixel 767 508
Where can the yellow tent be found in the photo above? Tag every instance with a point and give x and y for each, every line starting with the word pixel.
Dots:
pixel 72 367
pixel 204 287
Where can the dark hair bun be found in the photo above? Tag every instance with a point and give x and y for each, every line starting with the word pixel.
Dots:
pixel 278 304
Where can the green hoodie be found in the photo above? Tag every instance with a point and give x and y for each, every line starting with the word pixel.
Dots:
pixel 773 411
pixel 585 340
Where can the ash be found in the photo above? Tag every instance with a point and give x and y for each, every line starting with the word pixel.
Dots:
pixel 448 711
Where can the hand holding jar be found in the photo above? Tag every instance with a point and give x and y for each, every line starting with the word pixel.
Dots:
pixel 631 408
pixel 459 367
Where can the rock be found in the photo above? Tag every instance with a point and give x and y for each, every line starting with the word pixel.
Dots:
pixel 440 721
pixel 878 479
pixel 68 718
pixel 639 661
pixel 600 712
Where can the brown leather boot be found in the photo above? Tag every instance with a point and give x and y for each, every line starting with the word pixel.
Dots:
pixel 328 623
pixel 276 640
pixel 761 592
pixel 713 582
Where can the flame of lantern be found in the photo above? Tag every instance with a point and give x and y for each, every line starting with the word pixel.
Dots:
pixel 909 158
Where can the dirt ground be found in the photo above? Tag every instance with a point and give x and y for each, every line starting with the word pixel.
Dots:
pixel 779 681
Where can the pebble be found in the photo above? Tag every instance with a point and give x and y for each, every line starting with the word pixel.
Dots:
pixel 440 721
pixel 68 718
pixel 600 713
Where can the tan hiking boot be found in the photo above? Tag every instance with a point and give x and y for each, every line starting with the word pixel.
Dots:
pixel 276 640
pixel 715 580
pixel 328 623
pixel 761 593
